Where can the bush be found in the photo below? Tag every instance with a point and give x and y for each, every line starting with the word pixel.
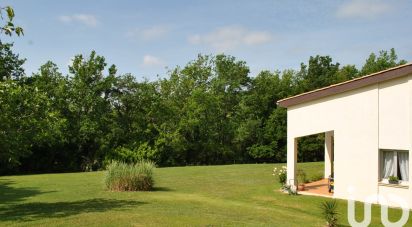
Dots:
pixel 121 176
pixel 123 154
pixel 316 177
pixel 134 154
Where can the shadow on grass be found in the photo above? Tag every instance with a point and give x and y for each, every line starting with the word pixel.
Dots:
pixel 162 189
pixel 38 210
pixel 9 194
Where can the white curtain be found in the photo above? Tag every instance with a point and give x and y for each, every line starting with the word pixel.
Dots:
pixel 388 164
pixel 403 160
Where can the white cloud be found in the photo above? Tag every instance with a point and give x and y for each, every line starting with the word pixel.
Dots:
pixel 85 19
pixel 363 9
pixel 152 61
pixel 150 33
pixel 227 38
pixel 257 38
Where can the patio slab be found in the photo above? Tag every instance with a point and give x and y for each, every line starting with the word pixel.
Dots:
pixel 317 188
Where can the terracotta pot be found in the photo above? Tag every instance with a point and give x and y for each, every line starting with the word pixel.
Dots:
pixel 301 187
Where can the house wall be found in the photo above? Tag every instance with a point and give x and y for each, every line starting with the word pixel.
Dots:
pixel 394 126
pixel 394 114
pixel 363 121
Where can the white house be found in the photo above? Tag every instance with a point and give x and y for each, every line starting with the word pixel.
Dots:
pixel 368 133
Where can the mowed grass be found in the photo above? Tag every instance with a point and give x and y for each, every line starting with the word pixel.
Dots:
pixel 230 195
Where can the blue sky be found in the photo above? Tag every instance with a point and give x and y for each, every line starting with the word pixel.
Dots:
pixel 147 37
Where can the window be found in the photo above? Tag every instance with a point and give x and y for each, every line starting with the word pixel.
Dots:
pixel 394 163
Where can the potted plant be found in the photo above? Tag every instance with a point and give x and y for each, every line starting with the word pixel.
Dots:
pixel 393 180
pixel 301 176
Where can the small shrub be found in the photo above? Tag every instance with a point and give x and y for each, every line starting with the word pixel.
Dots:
pixel 123 154
pixel 281 174
pixel 330 213
pixel 316 177
pixel 121 176
pixel 133 154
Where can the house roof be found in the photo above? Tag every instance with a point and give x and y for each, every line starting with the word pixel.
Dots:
pixel 363 81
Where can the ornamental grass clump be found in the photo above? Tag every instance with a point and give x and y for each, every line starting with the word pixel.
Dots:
pixel 121 176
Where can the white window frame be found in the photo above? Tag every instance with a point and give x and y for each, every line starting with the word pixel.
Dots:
pixel 386 180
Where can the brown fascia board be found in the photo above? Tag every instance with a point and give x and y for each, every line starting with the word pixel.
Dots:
pixel 374 78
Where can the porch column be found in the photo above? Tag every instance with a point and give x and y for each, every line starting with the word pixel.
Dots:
pixel 292 157
pixel 328 153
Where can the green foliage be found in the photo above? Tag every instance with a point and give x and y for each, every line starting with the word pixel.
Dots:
pixel 347 72
pixel 280 174
pixel 311 148
pixel 89 107
pixel 25 120
pixel 123 154
pixel 301 175
pixel 146 152
pixel 260 151
pixel 210 111
pixel 142 152
pixel 330 213
pixel 316 177
pixel 381 62
pixel 11 66
pixel 121 176
pixel 320 72
pixel 14 120
pixel 8 27
pixel 262 126
pixel 393 179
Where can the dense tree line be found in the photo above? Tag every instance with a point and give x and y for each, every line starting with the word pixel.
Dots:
pixel 211 111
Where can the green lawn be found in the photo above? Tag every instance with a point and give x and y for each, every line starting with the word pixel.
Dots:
pixel 231 195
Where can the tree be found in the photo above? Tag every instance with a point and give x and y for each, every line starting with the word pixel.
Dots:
pixel 11 66
pixel 320 72
pixel 8 26
pixel 89 108
pixel 210 111
pixel 14 124
pixel 24 120
pixel 347 72
pixel 261 125
pixel 381 62
pixel 230 84
pixel 49 149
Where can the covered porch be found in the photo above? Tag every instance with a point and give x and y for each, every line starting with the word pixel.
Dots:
pixel 320 187
pixel 317 188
